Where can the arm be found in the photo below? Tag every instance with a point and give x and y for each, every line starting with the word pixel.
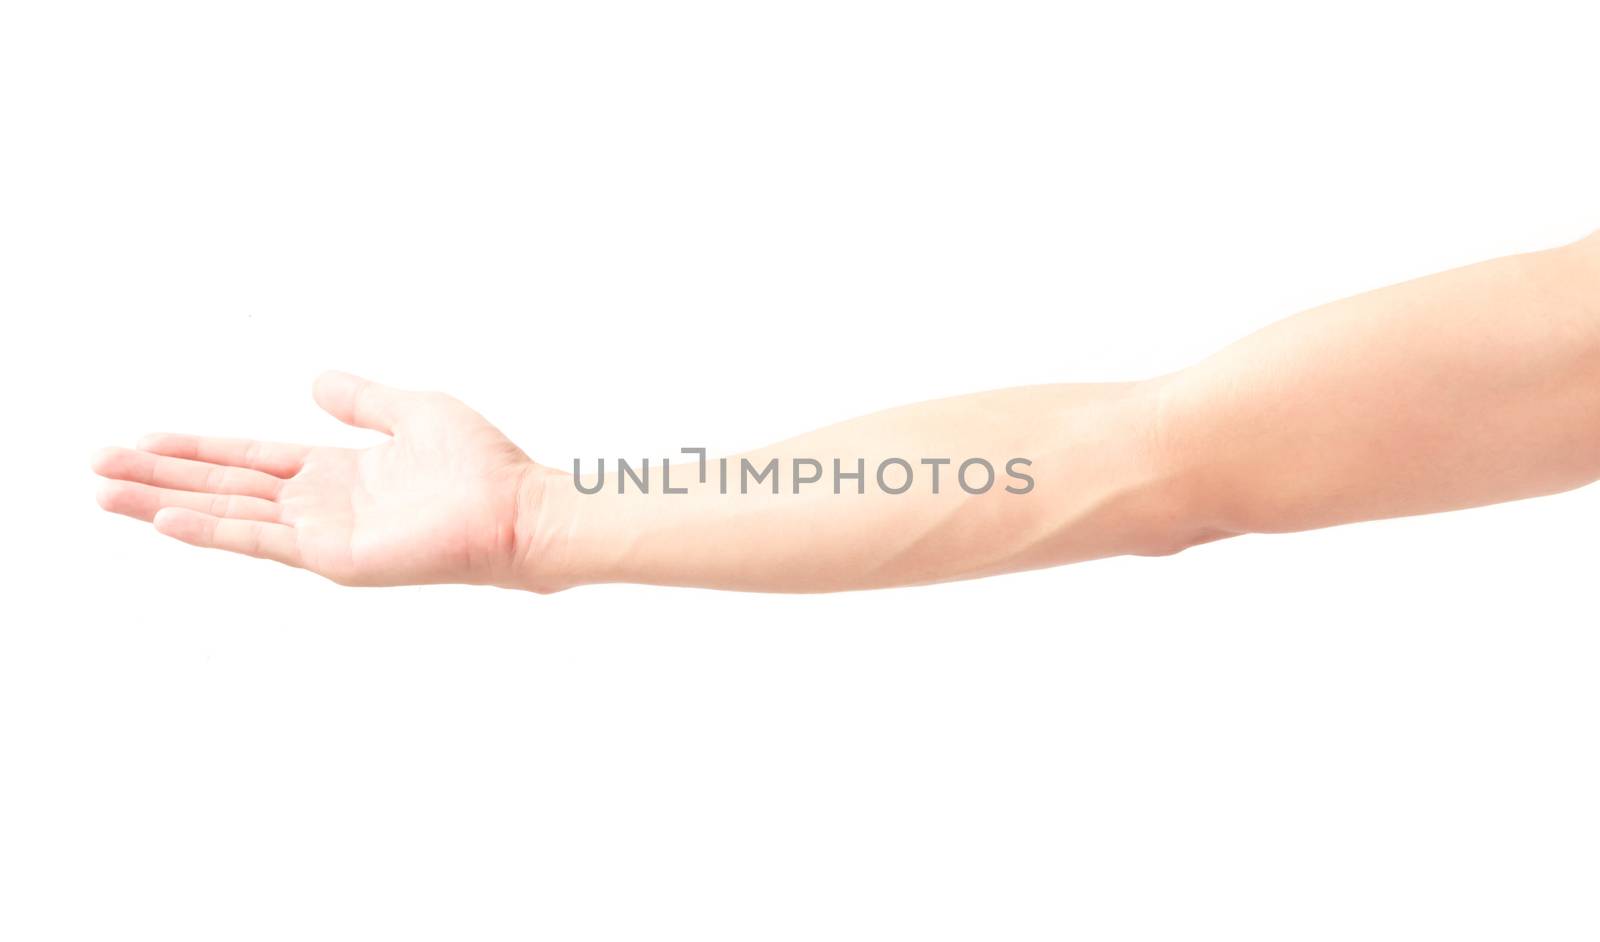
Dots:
pixel 1468 387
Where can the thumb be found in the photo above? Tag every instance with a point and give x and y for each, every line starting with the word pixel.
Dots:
pixel 361 402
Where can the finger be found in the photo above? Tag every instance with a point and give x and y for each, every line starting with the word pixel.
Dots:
pixel 141 501
pixel 180 474
pixel 250 537
pixel 274 458
pixel 363 403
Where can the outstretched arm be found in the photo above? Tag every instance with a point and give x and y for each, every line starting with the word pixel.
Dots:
pixel 1468 387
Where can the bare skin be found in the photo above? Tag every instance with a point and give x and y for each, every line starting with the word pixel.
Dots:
pixel 437 501
pixel 1464 388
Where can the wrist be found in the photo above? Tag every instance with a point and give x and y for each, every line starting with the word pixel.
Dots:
pixel 544 558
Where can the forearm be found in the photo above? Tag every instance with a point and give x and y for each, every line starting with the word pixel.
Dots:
pixel 1089 485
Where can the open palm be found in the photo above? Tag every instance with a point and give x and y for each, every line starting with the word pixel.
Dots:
pixel 443 499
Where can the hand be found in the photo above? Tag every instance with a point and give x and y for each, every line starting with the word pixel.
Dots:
pixel 447 498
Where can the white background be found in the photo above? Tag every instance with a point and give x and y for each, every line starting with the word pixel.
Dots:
pixel 619 229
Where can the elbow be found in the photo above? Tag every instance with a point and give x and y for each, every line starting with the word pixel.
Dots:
pixel 1176 543
pixel 1180 523
pixel 1181 509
